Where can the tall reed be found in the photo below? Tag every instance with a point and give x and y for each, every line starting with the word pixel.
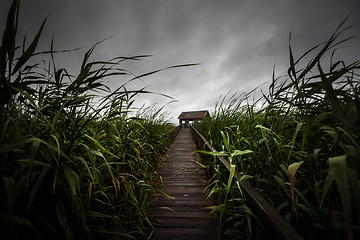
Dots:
pixel 304 136
pixel 73 164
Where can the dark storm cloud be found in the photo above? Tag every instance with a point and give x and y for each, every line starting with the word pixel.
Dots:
pixel 236 42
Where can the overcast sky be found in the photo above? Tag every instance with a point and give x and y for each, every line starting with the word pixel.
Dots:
pixel 236 42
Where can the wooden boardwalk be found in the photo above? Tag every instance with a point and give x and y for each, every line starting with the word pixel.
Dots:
pixel 184 215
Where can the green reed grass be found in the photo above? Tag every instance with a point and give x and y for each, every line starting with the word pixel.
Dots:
pixel 76 161
pixel 309 120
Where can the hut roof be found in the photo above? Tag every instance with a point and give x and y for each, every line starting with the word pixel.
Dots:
pixel 193 115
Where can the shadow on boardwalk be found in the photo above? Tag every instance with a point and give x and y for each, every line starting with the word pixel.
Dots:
pixel 184 215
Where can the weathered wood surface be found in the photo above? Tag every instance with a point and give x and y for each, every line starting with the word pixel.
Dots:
pixel 184 215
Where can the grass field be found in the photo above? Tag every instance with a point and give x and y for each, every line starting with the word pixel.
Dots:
pixel 298 143
pixel 76 160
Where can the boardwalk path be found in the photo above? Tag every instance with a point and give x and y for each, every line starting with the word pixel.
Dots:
pixel 184 181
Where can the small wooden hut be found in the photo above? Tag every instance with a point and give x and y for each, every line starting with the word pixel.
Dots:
pixel 186 118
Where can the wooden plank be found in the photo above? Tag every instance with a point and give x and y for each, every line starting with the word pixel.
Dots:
pixel 185 215
pixel 184 222
pixel 191 202
pixel 184 195
pixel 184 233
pixel 178 209
pixel 184 189
pixel 184 173
pixel 175 183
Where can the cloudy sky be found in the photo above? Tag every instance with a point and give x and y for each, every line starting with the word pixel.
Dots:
pixel 235 42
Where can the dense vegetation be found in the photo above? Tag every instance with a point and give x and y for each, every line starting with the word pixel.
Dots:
pixel 76 161
pixel 298 144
